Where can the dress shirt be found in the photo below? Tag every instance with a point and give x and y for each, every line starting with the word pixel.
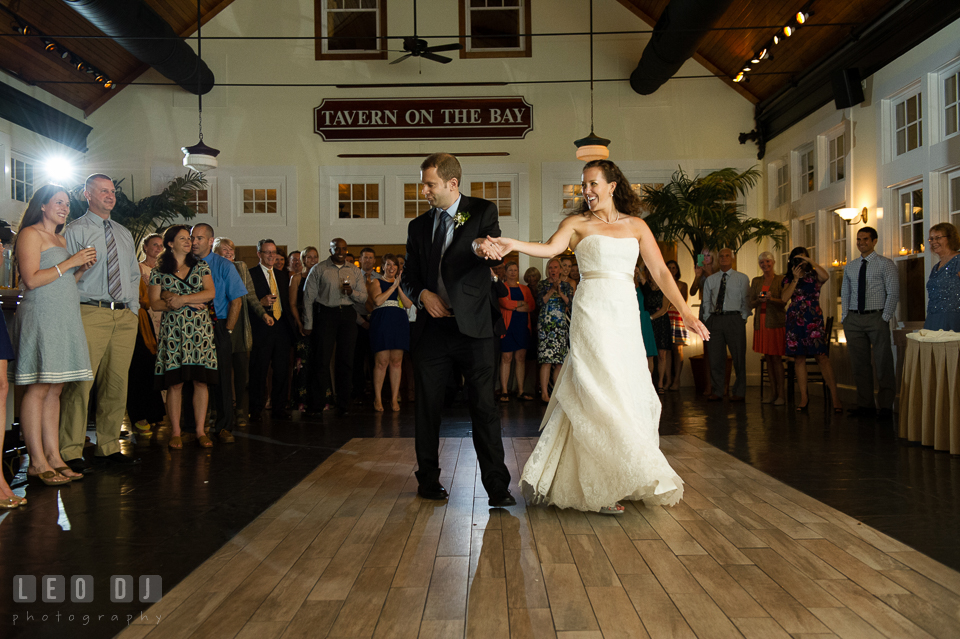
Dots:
pixel 736 297
pixel 323 286
pixel 227 283
pixel 361 307
pixel 883 286
pixel 88 231
pixel 452 212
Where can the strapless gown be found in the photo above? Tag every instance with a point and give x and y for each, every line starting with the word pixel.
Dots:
pixel 600 442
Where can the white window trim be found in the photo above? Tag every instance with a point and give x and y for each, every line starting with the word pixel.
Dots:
pixel 897 190
pixel 795 175
pixel 238 184
pixel 890 119
pixel 829 138
pixel 334 201
pixel 467 33
pixel 512 178
pixel 324 24
pixel 952 68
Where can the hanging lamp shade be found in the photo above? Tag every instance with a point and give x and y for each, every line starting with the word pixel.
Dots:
pixel 200 157
pixel 592 148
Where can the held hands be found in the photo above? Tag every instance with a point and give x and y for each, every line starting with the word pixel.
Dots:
pixel 494 248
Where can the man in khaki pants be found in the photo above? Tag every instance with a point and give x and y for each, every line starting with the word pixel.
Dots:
pixel 109 302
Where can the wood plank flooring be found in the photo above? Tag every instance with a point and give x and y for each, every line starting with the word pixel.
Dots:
pixel 353 552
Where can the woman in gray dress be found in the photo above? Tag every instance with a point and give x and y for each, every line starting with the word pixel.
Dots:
pixel 50 343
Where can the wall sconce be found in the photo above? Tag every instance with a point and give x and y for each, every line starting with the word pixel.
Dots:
pixel 853 216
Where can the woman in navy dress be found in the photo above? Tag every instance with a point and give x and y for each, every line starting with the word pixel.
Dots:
pixel 8 500
pixel 517 308
pixel 806 336
pixel 389 330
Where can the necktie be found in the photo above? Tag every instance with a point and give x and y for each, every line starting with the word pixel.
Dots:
pixel 721 294
pixel 436 250
pixel 862 286
pixel 273 291
pixel 113 264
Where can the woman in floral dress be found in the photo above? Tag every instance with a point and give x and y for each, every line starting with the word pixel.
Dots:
pixel 806 336
pixel 553 325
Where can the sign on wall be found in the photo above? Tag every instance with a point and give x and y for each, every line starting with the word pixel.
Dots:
pixel 467 118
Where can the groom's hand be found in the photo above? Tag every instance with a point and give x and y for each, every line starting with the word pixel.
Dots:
pixel 434 305
pixel 486 248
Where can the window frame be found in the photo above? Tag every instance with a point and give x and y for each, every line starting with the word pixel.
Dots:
pixel 952 208
pixel 26 160
pixel 466 188
pixel 320 11
pixel 337 180
pixel 804 177
pixel 526 41
pixel 902 99
pixel 841 160
pixel 951 73
pixel 905 252
pixel 257 182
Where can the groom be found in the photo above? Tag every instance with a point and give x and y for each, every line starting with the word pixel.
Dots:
pixel 447 277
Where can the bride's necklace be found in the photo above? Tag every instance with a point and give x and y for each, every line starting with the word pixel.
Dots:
pixel 603 220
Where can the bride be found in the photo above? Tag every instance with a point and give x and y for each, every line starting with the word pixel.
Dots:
pixel 600 442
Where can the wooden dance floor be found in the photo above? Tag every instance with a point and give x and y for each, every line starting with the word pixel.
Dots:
pixel 353 552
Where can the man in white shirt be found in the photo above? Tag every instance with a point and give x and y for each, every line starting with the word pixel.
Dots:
pixel 725 312
pixel 363 357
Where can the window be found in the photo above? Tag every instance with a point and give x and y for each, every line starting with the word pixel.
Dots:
pixel 785 254
pixel 911 220
pixel 840 243
pixel 954 205
pixel 783 185
pixel 807 179
pixel 837 154
pixel 21 180
pixel 951 105
pixel 495 28
pixel 500 193
pixel 808 236
pixel 358 201
pixel 350 29
pixel 199 201
pixel 572 197
pixel 260 201
pixel 413 202
pixel 908 123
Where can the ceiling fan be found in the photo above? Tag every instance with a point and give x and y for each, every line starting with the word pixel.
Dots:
pixel 418 48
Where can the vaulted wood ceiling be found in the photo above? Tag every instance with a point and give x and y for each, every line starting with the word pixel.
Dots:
pixel 26 59
pixel 748 25
pixel 743 29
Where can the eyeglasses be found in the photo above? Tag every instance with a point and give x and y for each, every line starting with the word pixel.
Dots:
pixel 936 238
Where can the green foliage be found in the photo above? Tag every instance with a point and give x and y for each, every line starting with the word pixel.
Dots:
pixel 152 212
pixel 702 212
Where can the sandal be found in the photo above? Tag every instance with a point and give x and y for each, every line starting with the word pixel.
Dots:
pixel 143 427
pixel 175 443
pixel 616 509
pixel 525 397
pixel 204 442
pixel 49 477
pixel 76 477
pixel 504 398
pixel 9 503
pixel 661 391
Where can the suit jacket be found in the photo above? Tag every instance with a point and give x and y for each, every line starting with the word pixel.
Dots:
pixel 261 288
pixel 465 275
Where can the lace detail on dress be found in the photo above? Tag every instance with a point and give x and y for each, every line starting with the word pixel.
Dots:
pixel 599 441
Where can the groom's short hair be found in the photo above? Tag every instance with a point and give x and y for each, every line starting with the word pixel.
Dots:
pixel 447 166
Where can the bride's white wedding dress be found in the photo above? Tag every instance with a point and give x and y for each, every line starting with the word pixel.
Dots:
pixel 599 442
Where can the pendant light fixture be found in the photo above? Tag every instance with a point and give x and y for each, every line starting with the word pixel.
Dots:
pixel 199 157
pixel 592 147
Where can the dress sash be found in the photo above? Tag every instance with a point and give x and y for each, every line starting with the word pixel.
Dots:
pixel 611 275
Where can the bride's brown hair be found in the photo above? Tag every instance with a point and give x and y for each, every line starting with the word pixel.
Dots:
pixel 625 199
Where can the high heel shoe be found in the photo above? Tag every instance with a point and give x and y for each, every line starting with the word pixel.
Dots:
pixel 803 409
pixel 50 478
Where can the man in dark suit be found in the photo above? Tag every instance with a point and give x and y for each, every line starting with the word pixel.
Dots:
pixel 448 278
pixel 271 340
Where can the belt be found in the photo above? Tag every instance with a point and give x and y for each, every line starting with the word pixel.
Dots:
pixel 608 275
pixel 876 310
pixel 393 303
pixel 116 306
pixel 728 313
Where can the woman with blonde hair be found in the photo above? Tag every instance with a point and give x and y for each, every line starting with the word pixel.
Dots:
pixel 769 320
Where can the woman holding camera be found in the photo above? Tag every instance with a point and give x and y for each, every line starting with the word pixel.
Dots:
pixel 805 335
pixel 769 337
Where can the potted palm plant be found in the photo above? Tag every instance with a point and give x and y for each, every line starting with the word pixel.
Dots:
pixel 703 212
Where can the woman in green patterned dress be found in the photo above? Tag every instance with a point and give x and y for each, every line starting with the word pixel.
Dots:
pixel 181 286
pixel 553 325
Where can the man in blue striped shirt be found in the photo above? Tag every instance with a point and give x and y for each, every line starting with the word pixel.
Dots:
pixel 868 301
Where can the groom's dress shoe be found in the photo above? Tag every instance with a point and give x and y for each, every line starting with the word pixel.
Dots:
pixel 502 500
pixel 436 493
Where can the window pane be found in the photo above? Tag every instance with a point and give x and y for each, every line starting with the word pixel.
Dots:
pixel 260 207
pixel 476 189
pixel 955 194
pixel 409 191
pixel 495 29
pixel 503 190
pixel 373 191
pixel 356 210
pixel 911 137
pixel 918 204
pixel 271 194
pixel 357 192
pixel 901 116
pixel 343 191
pixel 505 207
pixel 901 142
pixel 247 206
pixel 840 169
pixel 352 31
pixel 912 109
pixel 373 210
pixel 260 195
pixel 951 116
pixel 271 207
pixel 950 89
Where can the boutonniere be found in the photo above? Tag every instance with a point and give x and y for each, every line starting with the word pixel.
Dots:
pixel 460 219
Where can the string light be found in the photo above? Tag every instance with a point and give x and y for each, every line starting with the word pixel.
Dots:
pixel 796 20
pixel 65 54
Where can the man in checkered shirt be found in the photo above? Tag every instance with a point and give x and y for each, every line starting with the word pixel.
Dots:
pixel 869 295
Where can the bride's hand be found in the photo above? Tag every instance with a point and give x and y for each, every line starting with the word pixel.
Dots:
pixel 693 323
pixel 502 245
